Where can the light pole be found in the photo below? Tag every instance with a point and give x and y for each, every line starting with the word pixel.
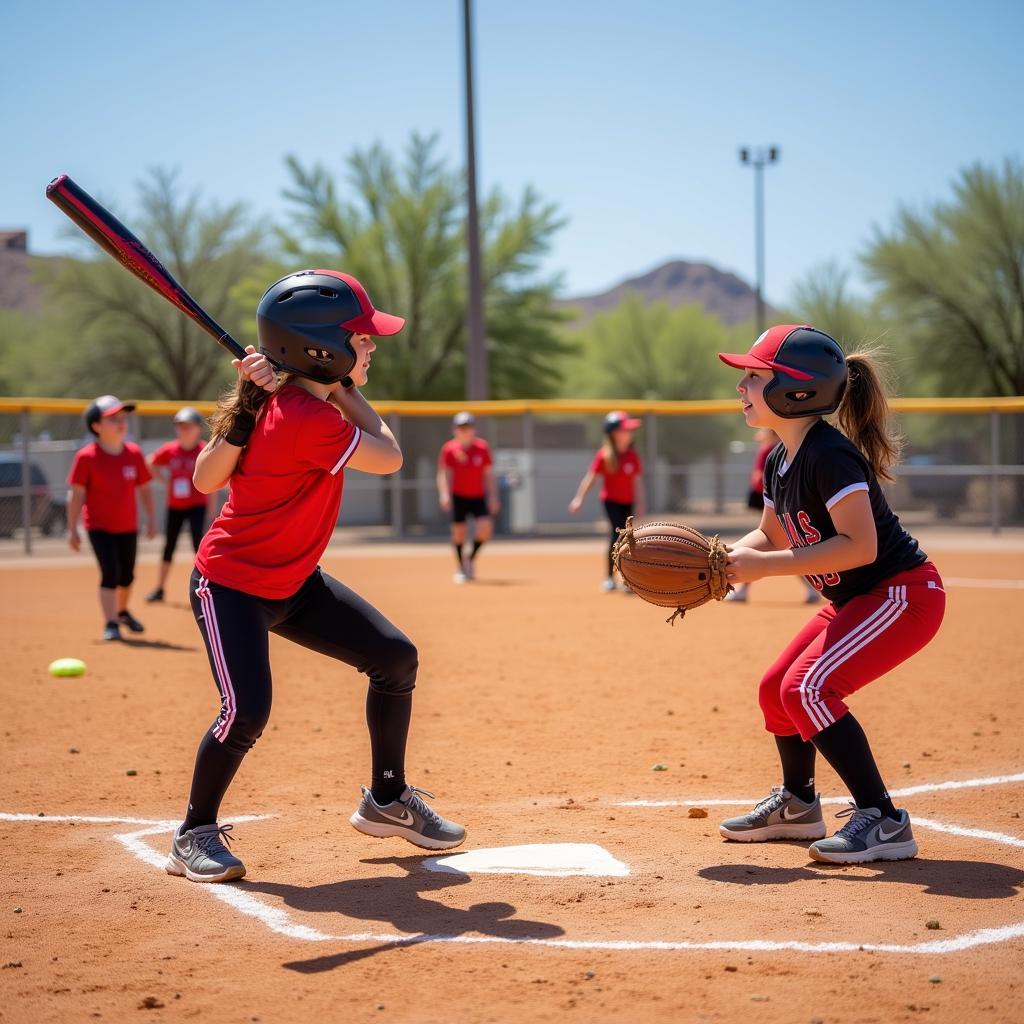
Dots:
pixel 759 159
pixel 477 378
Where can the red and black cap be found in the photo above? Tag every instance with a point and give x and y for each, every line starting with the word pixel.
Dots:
pixel 305 323
pixel 620 420
pixel 104 406
pixel 768 352
pixel 809 372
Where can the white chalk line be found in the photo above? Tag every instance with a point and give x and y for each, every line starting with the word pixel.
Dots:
pixel 162 824
pixel 280 922
pixel 928 787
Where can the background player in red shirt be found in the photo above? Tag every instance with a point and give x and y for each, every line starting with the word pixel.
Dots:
pixel 466 486
pixel 767 439
pixel 281 442
pixel 826 518
pixel 105 476
pixel 174 463
pixel 622 491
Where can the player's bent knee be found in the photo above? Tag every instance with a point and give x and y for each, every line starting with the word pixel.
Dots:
pixel 398 667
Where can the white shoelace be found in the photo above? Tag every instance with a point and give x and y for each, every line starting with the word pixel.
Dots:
pixel 421 807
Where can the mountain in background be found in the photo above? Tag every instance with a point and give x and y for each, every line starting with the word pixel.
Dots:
pixel 678 283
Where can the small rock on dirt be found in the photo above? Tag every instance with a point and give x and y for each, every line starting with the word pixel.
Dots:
pixel 935 979
pixel 696 812
pixel 131 771
pixel 151 1003
pixel 933 925
pixel 659 767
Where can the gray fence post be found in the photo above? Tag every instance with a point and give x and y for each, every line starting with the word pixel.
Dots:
pixel 995 460
pixel 26 482
pixel 529 481
pixel 651 457
pixel 395 481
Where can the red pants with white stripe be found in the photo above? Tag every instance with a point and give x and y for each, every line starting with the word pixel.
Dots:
pixel 841 650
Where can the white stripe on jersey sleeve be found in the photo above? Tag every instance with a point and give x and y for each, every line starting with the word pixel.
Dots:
pixel 768 503
pixel 839 495
pixel 349 452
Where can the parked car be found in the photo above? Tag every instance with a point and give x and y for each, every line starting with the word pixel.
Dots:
pixel 48 514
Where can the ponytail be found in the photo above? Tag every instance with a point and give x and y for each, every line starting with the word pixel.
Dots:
pixel 242 396
pixel 611 456
pixel 863 414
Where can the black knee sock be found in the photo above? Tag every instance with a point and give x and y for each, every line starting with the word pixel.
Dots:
pixel 797 757
pixel 845 747
pixel 611 562
pixel 458 555
pixel 216 765
pixel 477 545
pixel 387 718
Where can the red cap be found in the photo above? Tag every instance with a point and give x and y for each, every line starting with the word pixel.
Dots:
pixel 764 354
pixel 620 420
pixel 370 320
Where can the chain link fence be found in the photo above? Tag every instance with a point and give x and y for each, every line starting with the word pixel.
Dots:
pixel 963 464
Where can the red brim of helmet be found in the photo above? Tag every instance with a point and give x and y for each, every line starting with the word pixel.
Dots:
pixel 748 361
pixel 377 323
pixel 629 425
pixel 120 407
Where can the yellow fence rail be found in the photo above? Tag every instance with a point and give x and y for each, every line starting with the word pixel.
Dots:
pixel 547 407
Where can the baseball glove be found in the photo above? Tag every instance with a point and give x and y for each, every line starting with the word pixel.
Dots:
pixel 671 565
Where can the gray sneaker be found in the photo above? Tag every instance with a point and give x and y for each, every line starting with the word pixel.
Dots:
pixel 201 856
pixel 409 817
pixel 867 836
pixel 780 815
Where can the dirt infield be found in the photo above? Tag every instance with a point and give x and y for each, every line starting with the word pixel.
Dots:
pixel 542 706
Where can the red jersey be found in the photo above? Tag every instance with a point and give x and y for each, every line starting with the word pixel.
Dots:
pixel 110 482
pixel 620 485
pixel 181 464
pixel 467 466
pixel 757 472
pixel 284 498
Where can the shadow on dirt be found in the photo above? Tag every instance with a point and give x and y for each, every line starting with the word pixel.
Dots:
pixel 400 902
pixel 153 645
pixel 964 879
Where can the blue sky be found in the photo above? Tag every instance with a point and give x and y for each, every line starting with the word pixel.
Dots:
pixel 629 116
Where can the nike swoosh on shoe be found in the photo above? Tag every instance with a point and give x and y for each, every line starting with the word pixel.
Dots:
pixel 406 819
pixel 886 836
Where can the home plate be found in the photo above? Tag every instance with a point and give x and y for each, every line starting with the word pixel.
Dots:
pixel 558 859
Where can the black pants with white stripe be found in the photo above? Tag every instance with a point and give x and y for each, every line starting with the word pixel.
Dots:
pixel 324 616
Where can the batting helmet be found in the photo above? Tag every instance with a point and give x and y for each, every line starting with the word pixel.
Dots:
pixel 186 414
pixel 620 420
pixel 105 405
pixel 305 322
pixel 809 369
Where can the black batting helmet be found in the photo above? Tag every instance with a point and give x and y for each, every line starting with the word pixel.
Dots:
pixel 809 369
pixel 305 322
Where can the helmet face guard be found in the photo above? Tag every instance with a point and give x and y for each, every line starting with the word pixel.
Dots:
pixel 305 323
pixel 809 372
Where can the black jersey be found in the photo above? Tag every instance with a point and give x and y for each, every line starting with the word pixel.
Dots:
pixel 828 467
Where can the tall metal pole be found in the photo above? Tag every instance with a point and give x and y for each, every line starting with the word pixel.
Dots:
pixel 759 159
pixel 477 377
pixel 759 242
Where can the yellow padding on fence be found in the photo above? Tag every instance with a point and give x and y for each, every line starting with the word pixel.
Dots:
pixel 546 407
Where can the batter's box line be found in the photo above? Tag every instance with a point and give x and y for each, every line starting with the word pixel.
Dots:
pixel 280 922
pixel 928 787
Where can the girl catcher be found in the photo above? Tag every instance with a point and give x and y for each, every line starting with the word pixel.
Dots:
pixel 825 518
pixel 281 442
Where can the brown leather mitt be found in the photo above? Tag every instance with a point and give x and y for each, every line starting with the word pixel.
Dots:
pixel 671 565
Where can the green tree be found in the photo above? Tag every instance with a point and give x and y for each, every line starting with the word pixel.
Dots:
pixel 127 338
pixel 953 276
pixel 649 350
pixel 399 226
pixel 822 297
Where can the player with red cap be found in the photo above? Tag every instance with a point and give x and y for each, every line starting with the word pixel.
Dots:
pixel 467 488
pixel 282 440
pixel 105 477
pixel 825 518
pixel 620 469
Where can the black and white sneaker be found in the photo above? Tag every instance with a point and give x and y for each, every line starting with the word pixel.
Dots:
pixel 867 836
pixel 410 818
pixel 155 596
pixel 127 619
pixel 112 630
pixel 780 815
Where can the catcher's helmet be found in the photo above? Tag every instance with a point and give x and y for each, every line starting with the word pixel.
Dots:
pixel 105 405
pixel 809 369
pixel 305 322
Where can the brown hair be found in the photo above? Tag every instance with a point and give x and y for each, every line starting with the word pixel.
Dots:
pixel 863 414
pixel 610 455
pixel 242 396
